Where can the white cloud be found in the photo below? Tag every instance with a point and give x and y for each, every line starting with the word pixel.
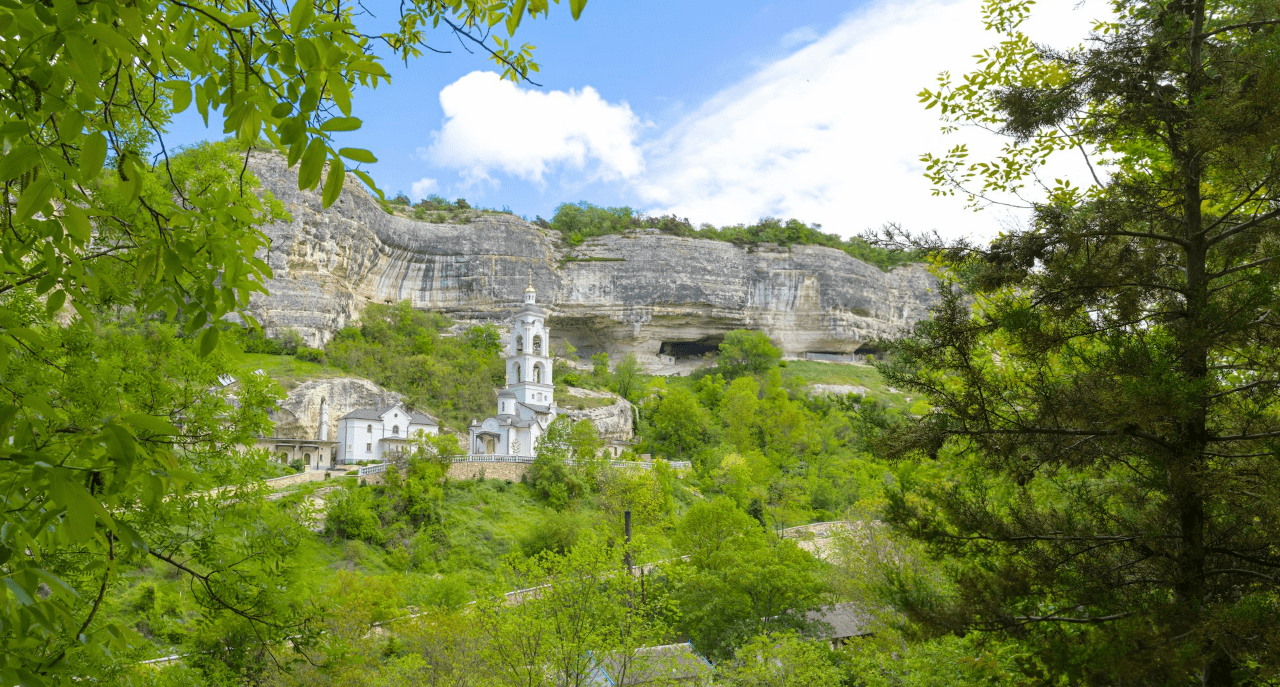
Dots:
pixel 833 133
pixel 493 125
pixel 424 187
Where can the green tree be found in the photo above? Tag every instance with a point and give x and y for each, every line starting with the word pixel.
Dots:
pixel 1105 389
pixel 738 580
pixel 747 352
pixel 781 660
pixel 92 226
pixel 627 380
pixel 679 424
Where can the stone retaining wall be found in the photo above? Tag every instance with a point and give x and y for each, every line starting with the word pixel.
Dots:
pixel 511 471
pixel 300 478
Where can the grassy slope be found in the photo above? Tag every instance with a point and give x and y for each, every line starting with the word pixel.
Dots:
pixel 286 369
pixel 815 372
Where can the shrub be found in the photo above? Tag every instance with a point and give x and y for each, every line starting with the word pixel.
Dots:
pixel 297 465
pixel 351 515
pixel 747 352
pixel 314 355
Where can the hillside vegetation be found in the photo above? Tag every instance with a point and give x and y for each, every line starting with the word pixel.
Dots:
pixel 577 222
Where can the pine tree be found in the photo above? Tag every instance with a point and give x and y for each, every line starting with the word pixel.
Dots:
pixel 1103 454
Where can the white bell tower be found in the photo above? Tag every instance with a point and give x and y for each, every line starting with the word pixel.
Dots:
pixel 528 355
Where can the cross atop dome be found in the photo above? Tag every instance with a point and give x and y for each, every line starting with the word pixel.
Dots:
pixel 530 296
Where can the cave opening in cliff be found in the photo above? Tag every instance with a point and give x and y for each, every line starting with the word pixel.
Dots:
pixel 692 349
pixel 866 349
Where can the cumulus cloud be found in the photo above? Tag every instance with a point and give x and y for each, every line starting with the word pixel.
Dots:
pixel 493 125
pixel 833 132
pixel 424 187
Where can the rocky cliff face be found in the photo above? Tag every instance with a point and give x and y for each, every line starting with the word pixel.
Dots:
pixel 613 422
pixel 299 415
pixel 648 293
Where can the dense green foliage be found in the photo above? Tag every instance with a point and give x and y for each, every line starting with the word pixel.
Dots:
pixel 577 222
pixel 744 351
pixel 1101 458
pixel 413 352
pixel 98 473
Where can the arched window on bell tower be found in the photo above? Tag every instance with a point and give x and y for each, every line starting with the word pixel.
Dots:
pixel 519 344
pixel 518 377
pixel 537 344
pixel 537 374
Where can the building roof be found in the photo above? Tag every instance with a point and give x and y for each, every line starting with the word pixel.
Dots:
pixel 657 665
pixel 531 308
pixel 537 408
pixel 507 392
pixel 415 417
pixel 363 414
pixel 845 620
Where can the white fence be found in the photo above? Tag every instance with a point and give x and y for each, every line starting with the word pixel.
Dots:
pixel 495 458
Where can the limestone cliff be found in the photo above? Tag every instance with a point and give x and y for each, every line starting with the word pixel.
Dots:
pixel 644 292
pixel 299 415
pixel 612 421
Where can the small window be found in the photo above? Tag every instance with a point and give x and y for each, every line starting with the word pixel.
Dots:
pixel 395 430
pixel 368 448
pixel 370 429
pixel 306 459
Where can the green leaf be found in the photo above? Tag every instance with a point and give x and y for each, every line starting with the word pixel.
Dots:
pixel 18 161
pixel 105 34
pixel 55 302
pixel 312 165
pixel 76 223
pixel 333 182
pixel 301 15
pixel 92 154
pixel 151 423
pixel 341 124
pixel 208 341
pixel 358 154
pixel 34 197
pixel 243 20
pixel 85 58
pixel 307 54
pixel 18 592
pixel 368 181
pixel 341 94
pixel 517 13
pixel 576 6
pixel 181 93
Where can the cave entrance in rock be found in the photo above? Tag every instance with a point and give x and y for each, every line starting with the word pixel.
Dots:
pixel 692 349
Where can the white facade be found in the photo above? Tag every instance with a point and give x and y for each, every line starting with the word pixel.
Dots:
pixel 368 434
pixel 526 406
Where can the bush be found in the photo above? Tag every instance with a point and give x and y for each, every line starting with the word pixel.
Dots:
pixel 314 355
pixel 297 465
pixel 351 515
pixel 747 352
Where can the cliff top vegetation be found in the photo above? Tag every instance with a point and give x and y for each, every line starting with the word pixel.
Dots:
pixel 577 222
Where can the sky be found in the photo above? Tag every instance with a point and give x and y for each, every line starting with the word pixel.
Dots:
pixel 720 112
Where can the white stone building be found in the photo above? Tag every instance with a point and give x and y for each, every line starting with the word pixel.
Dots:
pixel 369 434
pixel 526 406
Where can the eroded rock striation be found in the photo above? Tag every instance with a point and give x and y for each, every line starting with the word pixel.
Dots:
pixel 644 292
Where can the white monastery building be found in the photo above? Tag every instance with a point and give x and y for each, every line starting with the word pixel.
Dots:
pixel 526 406
pixel 368 434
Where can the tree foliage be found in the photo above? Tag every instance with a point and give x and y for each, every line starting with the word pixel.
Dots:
pixel 94 227
pixel 1105 380
pixel 577 222
pixel 747 352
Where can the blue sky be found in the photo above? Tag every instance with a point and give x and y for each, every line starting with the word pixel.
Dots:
pixel 721 112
